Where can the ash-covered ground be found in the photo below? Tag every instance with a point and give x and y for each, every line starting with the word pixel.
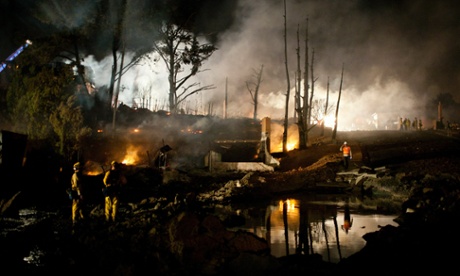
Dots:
pixel 156 233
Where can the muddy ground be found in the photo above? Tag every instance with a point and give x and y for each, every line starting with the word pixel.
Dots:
pixel 424 164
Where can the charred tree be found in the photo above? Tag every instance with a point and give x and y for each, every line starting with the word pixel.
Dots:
pixel 117 92
pixel 334 132
pixel 325 108
pixel 116 44
pixel 313 80
pixel 303 142
pixel 253 88
pixel 298 107
pixel 286 113
pixel 183 56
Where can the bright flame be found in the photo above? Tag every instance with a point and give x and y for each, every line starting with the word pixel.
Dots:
pixel 131 156
pixel 128 160
pixel 329 121
pixel 290 146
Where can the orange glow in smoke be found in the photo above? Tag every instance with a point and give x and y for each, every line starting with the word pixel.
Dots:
pixel 92 173
pixel 191 131
pixel 276 137
pixel 290 145
pixel 132 156
pixel 329 121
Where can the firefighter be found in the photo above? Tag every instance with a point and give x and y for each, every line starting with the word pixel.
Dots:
pixel 113 182
pixel 347 155
pixel 76 194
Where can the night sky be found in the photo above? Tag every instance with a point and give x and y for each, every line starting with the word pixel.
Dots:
pixel 398 56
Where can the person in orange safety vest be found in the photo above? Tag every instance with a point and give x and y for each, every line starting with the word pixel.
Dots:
pixel 347 155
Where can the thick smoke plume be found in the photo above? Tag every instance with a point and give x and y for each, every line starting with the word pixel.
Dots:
pixel 398 57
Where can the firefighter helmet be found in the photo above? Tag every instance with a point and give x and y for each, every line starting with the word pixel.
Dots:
pixel 76 166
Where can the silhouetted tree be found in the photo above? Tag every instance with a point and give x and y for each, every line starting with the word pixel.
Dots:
pixel 303 139
pixel 325 107
pixel 68 124
pixel 298 102
pixel 255 84
pixel 286 113
pixel 334 132
pixel 34 93
pixel 183 56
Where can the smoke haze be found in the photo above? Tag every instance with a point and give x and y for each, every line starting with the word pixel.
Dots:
pixel 398 56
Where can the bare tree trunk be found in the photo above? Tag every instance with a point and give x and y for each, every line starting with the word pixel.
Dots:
pixel 113 76
pixel 115 108
pixel 305 112
pixel 116 43
pixel 298 79
pixel 286 113
pixel 298 108
pixel 80 68
pixel 226 98
pixel 325 108
pixel 312 88
pixel 256 92
pixel 334 133
pixel 172 76
pixel 296 101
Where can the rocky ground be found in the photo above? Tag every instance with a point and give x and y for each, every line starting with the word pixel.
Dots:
pixel 168 230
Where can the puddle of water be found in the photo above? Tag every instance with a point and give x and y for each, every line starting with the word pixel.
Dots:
pixel 292 226
pixel 305 226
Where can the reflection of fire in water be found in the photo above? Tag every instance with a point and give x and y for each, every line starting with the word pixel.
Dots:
pixel 290 205
pixel 292 209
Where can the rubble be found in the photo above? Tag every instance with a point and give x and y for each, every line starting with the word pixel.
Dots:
pixel 167 229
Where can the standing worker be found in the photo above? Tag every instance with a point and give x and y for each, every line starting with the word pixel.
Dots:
pixel 347 155
pixel 76 194
pixel 113 181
